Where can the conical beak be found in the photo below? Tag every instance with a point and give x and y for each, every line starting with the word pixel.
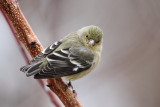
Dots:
pixel 91 42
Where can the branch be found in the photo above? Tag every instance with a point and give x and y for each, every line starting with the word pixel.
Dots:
pixel 24 33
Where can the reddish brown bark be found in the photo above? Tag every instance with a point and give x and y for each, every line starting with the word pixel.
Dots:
pixel 27 37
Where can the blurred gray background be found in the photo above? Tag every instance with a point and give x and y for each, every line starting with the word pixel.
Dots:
pixel 128 75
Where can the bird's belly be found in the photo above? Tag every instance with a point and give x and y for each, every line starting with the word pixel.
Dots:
pixel 79 75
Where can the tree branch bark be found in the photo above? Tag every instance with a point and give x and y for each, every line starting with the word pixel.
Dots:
pixel 27 37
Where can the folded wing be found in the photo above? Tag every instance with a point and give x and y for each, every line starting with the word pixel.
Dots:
pixel 66 62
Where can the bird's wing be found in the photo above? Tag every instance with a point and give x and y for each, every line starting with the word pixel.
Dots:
pixel 46 51
pixel 66 62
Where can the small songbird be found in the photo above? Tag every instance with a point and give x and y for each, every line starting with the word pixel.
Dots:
pixel 73 57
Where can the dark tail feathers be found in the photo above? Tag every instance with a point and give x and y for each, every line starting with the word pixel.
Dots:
pixel 31 69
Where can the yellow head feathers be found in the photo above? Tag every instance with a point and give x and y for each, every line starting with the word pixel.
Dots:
pixel 91 35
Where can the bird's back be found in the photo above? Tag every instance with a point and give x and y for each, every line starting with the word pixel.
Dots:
pixel 70 40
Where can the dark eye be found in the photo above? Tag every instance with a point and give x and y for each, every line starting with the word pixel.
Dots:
pixel 86 36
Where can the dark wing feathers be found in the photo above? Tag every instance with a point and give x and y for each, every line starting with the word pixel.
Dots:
pixel 47 51
pixel 62 63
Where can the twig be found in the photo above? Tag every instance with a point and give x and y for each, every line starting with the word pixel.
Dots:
pixel 25 34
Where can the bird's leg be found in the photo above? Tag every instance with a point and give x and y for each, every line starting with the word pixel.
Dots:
pixel 71 86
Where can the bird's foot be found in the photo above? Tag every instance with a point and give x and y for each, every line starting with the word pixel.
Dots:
pixel 70 85
pixel 75 93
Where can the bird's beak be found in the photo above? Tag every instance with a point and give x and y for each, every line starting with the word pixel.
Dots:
pixel 91 42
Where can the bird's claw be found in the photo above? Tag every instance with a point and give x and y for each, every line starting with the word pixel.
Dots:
pixel 70 85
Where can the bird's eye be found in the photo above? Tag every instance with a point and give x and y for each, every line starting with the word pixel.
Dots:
pixel 86 36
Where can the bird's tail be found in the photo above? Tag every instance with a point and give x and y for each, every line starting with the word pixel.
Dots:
pixel 31 69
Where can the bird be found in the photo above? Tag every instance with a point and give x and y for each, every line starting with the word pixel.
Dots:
pixel 72 57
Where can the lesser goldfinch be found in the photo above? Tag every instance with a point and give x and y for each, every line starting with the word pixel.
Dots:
pixel 73 57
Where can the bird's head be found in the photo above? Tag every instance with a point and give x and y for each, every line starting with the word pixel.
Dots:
pixel 91 36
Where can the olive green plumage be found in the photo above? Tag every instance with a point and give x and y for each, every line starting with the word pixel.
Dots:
pixel 73 57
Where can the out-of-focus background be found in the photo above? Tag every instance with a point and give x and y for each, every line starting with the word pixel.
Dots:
pixel 128 75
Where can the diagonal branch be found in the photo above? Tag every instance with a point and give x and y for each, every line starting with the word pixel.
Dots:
pixel 24 33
